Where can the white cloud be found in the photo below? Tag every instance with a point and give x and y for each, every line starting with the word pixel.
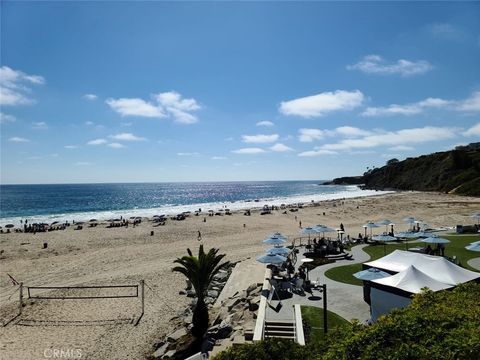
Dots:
pixel 260 139
pixel 473 131
pixel 90 97
pixel 97 142
pixel 126 137
pixel 5 118
pixel 115 145
pixel 408 109
pixel 361 152
pixel 177 107
pixel 320 152
pixel 446 31
pixel 394 138
pixel 188 154
pixel 13 92
pixel 218 158
pixel 390 156
pixel 265 123
pixel 135 107
pixel 401 148
pixel 41 125
pixel 351 132
pixel 17 139
pixel 309 135
pixel 322 104
pixel 471 104
pixel 468 105
pixel 249 151
pixel 89 123
pixel 375 64
pixel 70 146
pixel 280 148
pixel 167 104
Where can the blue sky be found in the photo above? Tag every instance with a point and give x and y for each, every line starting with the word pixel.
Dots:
pixel 203 91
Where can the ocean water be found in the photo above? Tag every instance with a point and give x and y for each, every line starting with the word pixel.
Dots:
pixel 81 202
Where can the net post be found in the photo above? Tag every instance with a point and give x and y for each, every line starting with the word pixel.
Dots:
pixel 142 295
pixel 142 289
pixel 20 305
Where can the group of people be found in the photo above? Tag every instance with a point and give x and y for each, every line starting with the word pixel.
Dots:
pixel 324 247
pixel 297 279
pixel 439 250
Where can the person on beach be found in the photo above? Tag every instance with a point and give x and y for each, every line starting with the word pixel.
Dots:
pixel 199 235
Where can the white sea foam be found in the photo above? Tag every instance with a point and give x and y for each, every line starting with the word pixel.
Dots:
pixel 349 192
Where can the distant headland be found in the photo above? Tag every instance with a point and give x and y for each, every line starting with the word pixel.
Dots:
pixel 455 171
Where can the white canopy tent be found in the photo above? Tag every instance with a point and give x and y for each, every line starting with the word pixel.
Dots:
pixel 413 273
pixel 435 267
pixel 412 280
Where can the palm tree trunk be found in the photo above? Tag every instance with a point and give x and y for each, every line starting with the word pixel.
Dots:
pixel 200 318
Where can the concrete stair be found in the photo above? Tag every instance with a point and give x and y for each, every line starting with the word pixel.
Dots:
pixel 280 329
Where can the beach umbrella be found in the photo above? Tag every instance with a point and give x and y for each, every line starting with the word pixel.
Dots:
pixel 370 225
pixel 324 229
pixel 280 250
pixel 384 238
pixel 271 259
pixel 371 274
pixel 475 246
pixel 410 220
pixel 275 240
pixel 9 226
pixel 435 240
pixel 385 222
pixel 309 231
pixel 407 235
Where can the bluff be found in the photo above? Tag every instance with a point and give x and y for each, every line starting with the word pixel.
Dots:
pixel 454 171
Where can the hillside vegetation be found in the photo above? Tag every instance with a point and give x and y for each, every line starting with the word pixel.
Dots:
pixel 455 171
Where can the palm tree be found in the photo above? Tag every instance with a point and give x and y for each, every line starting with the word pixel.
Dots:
pixel 200 271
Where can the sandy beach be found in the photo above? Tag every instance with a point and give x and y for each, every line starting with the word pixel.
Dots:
pixel 102 329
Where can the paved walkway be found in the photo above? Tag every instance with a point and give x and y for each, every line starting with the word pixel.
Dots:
pixel 343 299
pixel 475 263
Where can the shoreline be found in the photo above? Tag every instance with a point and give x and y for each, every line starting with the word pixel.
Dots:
pixel 235 206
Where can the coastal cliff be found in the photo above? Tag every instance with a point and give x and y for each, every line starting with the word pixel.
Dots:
pixel 455 171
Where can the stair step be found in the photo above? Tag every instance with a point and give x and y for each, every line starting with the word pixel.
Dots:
pixel 279 323
pixel 281 336
pixel 278 328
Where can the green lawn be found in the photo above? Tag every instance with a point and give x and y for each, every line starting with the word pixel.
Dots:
pixel 455 248
pixel 313 316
